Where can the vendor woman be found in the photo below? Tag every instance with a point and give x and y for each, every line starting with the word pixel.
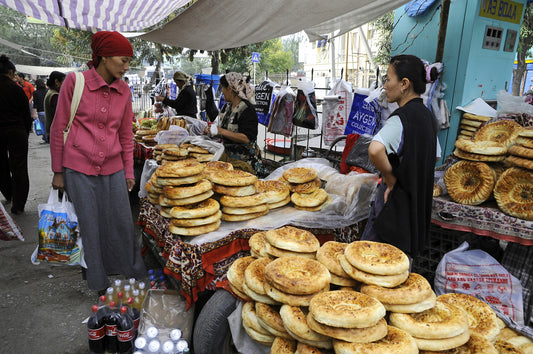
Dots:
pixel 185 103
pixel 237 124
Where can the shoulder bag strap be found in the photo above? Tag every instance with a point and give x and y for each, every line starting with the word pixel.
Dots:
pixel 76 97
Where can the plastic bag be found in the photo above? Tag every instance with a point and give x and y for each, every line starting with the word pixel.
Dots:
pixel 363 116
pixel 515 107
pixel 305 105
pixel 335 111
pixel 174 135
pixel 59 239
pixel 9 230
pixel 358 155
pixel 282 112
pixel 38 127
pixel 264 99
pixel 476 273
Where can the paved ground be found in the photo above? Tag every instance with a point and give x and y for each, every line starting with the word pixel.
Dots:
pixel 42 306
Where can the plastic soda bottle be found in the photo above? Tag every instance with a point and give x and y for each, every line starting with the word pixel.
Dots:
pixel 153 346
pixel 142 291
pixel 110 295
pixel 175 334
pixel 141 344
pixel 127 291
pixel 168 347
pixel 134 313
pixel 117 286
pixel 111 321
pixel 133 283
pixel 96 331
pixel 125 331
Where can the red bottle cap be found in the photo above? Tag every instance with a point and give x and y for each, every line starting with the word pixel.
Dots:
pixel 112 304
pixel 130 300
pixel 94 308
pixel 123 309
pixel 103 298
pixel 120 294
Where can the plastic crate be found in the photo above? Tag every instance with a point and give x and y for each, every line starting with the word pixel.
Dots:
pixel 440 242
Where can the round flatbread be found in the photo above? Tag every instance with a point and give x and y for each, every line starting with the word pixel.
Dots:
pixel 466 132
pixel 164 201
pixel 376 257
pixel 245 210
pixel 300 174
pixel 467 127
pixel 317 208
pixel 421 306
pixel 161 147
pixel 165 212
pixel 257 243
pixel 504 132
pixel 175 151
pixel 482 147
pixel 249 318
pixel 354 335
pixel 236 271
pixel 481 317
pixel 514 193
pixel 312 345
pixel 476 117
pixel 415 289
pixel 283 346
pixel 275 191
pixel 177 181
pixel 243 217
pixel 307 187
pixel 441 321
pixel 470 156
pixel 280 203
pixel 520 162
pixel 470 122
pixel 182 168
pixel 270 319
pixel 314 199
pixel 526 132
pixel 292 239
pixel 328 254
pixel 197 221
pixel 235 178
pixel 521 151
pixel 343 282
pixel 526 142
pixel 202 157
pixel 387 281
pixel 258 297
pixel 469 182
pixel 396 341
pixel 179 192
pixel 297 275
pixel 254 275
pixel 246 201
pixel 275 252
pixel 442 343
pixel 259 337
pixel 290 299
pixel 197 149
pixel 194 230
pixel 235 191
pixel 346 309
pixel 504 347
pixel 295 321
pixel 193 211
pixel 476 344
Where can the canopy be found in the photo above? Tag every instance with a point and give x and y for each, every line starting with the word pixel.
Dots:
pixel 210 24
pixel 43 70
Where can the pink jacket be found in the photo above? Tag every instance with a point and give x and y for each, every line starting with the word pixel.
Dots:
pixel 100 141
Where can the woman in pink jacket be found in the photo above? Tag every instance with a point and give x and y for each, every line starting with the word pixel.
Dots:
pixel 95 164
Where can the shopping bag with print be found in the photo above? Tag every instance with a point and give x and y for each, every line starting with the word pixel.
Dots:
pixel 59 239
pixel 38 127
pixel 335 110
pixel 305 105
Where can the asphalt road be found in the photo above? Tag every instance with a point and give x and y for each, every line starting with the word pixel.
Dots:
pixel 41 306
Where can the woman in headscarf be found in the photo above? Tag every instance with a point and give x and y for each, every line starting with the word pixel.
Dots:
pixel 54 82
pixel 185 103
pixel 237 124
pixel 95 164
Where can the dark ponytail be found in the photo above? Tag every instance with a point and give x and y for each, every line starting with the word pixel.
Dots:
pixel 411 68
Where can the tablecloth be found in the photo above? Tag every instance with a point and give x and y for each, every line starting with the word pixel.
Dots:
pixel 142 152
pixel 485 220
pixel 203 266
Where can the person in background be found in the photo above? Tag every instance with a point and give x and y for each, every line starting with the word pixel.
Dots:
pixel 237 124
pixel 185 104
pixel 95 164
pixel 50 100
pixel 15 127
pixel 27 87
pixel 404 151
pixel 127 81
pixel 38 105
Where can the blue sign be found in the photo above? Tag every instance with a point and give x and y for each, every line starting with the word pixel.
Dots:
pixel 255 57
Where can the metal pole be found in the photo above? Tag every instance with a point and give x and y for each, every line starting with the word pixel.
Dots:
pixel 442 30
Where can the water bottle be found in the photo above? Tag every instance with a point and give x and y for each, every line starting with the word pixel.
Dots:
pixel 168 347
pixel 141 344
pixel 175 335
pixel 154 346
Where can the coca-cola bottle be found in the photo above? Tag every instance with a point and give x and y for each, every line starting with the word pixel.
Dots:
pixel 111 320
pixel 96 331
pixel 125 332
pixel 103 308
pixel 134 313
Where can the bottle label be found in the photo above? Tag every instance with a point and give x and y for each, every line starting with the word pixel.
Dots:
pixel 136 322
pixel 96 334
pixel 111 330
pixel 125 336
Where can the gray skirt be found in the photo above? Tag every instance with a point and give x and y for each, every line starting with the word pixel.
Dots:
pixel 106 226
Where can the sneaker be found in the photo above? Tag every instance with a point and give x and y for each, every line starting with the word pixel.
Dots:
pixel 15 211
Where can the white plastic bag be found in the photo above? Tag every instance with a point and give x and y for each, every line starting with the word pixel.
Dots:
pixel 475 272
pixel 335 111
pixel 59 238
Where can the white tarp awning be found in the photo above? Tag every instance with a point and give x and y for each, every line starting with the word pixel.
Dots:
pixel 210 24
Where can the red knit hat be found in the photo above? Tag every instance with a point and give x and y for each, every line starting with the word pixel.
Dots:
pixel 109 44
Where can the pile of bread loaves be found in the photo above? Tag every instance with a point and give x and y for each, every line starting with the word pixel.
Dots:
pixel 305 187
pixel 496 160
pixel 146 135
pixel 163 153
pixel 293 305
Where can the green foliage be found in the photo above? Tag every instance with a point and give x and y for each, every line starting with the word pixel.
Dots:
pixel 525 42
pixel 291 44
pixel 384 26
pixel 74 43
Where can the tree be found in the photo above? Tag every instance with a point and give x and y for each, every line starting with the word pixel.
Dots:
pixel 74 44
pixel 525 42
pixel 384 26
pixel 291 44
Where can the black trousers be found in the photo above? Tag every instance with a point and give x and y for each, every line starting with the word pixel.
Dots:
pixel 14 178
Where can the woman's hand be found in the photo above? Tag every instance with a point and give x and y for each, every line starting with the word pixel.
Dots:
pixel 57 181
pixel 130 182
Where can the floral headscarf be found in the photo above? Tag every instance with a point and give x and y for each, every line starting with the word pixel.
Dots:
pixel 239 85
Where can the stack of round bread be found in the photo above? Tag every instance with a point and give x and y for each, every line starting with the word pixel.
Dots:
pixel 197 152
pixel 145 136
pixel 239 198
pixel 514 193
pixel 257 243
pixel 276 192
pixel 290 241
pixel 254 281
pixel 521 154
pixel 469 182
pixel 235 276
pixel 328 254
pixel 305 185
pixel 294 280
pixel 375 263
pixel 511 341
pixel 158 150
pixel 486 151
pixel 295 322
pixel 173 153
pixel 164 123
pixel 469 124
pixel 412 296
pixel 503 132
pixel 186 198
pixel 441 327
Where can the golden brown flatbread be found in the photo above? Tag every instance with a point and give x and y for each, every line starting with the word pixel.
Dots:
pixel 235 191
pixel 197 221
pixel 481 147
pixel 470 156
pixel 198 210
pixel 300 174
pixel 297 275
pixel 314 199
pixel 194 230
pixel 164 201
pixel 246 201
pixel 376 257
pixel 292 239
pixel 185 191
pixel 182 168
pixel 521 151
pixel 307 187
pixel 415 289
pixel 520 162
pixel 242 217
pixel 514 193
pixel 504 132
pixel 469 182
pixel 232 178
pixel 476 117
pixel 275 191
pixel 396 341
pixel 387 281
